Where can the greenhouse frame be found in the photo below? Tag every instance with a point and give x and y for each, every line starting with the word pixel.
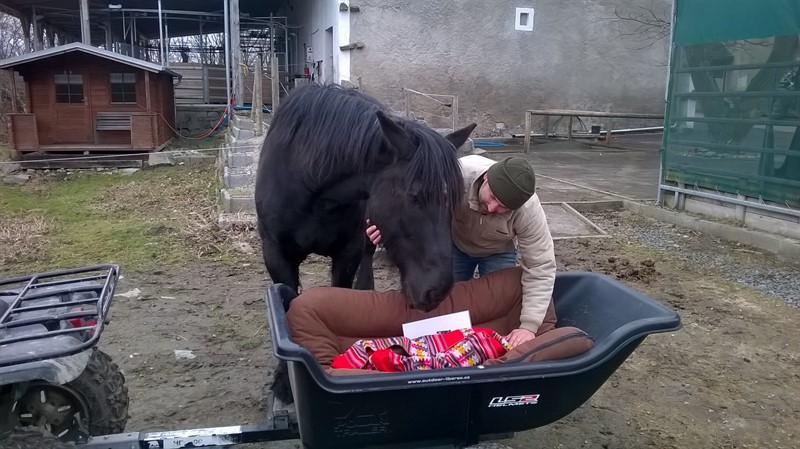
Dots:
pixel 732 135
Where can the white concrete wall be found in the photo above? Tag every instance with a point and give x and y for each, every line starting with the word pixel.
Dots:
pixel 575 57
pixel 324 28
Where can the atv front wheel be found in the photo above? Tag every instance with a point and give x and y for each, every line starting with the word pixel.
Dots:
pixel 95 402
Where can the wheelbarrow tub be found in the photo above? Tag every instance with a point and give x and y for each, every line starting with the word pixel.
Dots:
pixel 462 406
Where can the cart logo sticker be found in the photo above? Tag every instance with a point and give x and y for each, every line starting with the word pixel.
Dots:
pixel 512 401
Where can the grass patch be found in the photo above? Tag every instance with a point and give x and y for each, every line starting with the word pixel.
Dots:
pixel 155 217
pixel 6 153
pixel 21 238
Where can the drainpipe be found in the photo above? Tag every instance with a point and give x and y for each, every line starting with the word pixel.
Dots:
pixel 166 43
pixel 134 53
pixel 227 61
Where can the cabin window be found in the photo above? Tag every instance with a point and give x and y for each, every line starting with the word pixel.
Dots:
pixel 69 88
pixel 123 87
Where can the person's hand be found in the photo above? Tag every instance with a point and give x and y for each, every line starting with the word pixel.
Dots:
pixel 373 233
pixel 519 336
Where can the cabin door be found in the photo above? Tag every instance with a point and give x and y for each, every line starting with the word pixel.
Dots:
pixel 73 122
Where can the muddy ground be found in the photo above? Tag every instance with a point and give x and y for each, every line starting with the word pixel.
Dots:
pixel 730 378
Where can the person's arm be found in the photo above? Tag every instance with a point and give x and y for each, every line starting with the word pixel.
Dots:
pixel 538 263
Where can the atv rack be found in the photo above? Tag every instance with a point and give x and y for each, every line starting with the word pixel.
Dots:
pixel 54 314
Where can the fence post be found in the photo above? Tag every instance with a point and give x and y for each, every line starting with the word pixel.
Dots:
pixel 527 131
pixel 455 112
pixel 276 83
pixel 254 92
pixel 405 101
pixel 258 101
pixel 204 75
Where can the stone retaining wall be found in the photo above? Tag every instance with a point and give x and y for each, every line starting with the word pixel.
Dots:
pixel 193 120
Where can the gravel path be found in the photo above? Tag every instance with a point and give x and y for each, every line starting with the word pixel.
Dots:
pixel 732 261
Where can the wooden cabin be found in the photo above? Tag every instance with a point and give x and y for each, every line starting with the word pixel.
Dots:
pixel 83 98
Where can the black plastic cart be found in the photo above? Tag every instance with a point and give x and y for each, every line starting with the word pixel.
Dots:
pixel 438 408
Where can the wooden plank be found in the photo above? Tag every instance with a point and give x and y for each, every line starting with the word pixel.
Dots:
pixel 184 71
pixel 23 132
pixel 192 76
pixel 574 113
pixel 190 84
pixel 189 93
pixel 81 163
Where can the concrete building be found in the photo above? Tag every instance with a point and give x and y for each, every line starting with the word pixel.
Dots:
pixel 485 62
pixel 498 58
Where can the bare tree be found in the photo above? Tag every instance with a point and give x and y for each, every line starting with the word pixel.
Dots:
pixel 11 29
pixel 10 45
pixel 645 24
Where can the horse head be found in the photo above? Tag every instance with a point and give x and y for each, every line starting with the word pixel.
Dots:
pixel 412 202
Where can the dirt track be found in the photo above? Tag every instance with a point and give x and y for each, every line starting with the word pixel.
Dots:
pixel 729 378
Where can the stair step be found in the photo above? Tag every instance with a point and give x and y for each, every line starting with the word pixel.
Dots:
pixel 237 201
pixel 239 177
pixel 240 163
pixel 241 160
pixel 240 220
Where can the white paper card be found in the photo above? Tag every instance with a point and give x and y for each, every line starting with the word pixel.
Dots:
pixel 429 326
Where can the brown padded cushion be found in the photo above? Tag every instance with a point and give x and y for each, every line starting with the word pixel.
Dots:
pixel 328 320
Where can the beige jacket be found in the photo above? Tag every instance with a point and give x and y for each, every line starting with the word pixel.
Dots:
pixel 481 235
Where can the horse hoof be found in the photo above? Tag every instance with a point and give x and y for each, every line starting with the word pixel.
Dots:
pixel 282 391
pixel 281 387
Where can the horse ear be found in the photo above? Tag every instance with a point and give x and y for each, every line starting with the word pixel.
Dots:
pixel 395 136
pixel 458 137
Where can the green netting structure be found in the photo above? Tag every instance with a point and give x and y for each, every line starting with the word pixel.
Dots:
pixel 732 120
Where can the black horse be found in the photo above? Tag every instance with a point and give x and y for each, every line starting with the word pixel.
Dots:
pixel 334 157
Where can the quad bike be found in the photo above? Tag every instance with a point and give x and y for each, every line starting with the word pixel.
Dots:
pixel 55 384
pixel 52 377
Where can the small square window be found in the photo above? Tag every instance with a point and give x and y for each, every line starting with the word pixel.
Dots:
pixel 122 87
pixel 69 87
pixel 524 19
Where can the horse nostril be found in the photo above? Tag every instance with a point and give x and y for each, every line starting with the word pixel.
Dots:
pixel 427 306
pixel 433 297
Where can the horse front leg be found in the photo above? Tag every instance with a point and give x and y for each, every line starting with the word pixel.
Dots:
pixel 281 386
pixel 281 269
pixel 344 266
pixel 365 279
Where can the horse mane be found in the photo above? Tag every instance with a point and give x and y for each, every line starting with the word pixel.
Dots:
pixel 333 133
pixel 434 165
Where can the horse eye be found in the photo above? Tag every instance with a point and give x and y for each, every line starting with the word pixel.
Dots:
pixel 415 199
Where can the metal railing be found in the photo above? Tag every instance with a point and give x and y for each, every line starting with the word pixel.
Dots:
pixel 421 105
